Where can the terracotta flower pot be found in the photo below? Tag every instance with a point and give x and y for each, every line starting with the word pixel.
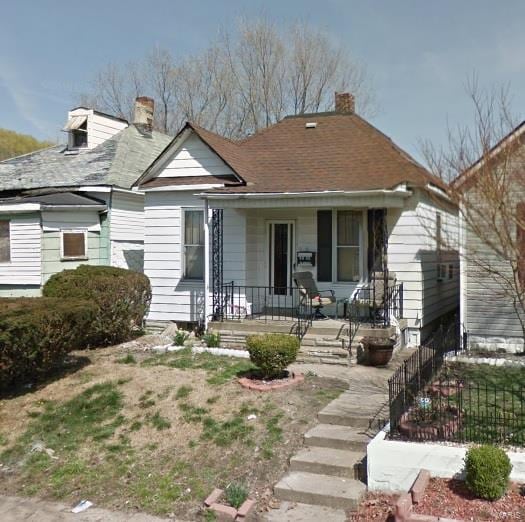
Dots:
pixel 444 430
pixel 379 349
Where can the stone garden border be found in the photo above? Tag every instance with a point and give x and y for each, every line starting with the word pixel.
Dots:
pixel 223 512
pixel 250 384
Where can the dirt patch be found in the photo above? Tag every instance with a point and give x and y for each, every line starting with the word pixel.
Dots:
pixel 137 431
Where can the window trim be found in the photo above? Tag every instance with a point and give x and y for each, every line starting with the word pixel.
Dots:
pixel 183 245
pixel 335 246
pixel 73 231
pixel 8 261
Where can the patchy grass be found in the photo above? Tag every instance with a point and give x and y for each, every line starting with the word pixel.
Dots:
pixel 128 359
pixel 157 436
pixel 183 392
pixel 219 369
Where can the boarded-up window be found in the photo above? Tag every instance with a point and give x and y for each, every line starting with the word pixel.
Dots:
pixel 194 244
pixel 520 240
pixel 324 245
pixel 73 245
pixel 5 242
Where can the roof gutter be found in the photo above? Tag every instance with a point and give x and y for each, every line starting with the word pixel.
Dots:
pixel 400 193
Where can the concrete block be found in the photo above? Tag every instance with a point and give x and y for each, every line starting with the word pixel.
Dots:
pixel 403 508
pixel 213 497
pixel 223 513
pixel 420 484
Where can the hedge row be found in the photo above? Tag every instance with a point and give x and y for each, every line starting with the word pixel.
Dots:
pixel 36 334
pixel 89 306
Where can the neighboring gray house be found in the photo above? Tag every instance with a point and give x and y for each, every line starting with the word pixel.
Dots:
pixel 489 314
pixel 74 204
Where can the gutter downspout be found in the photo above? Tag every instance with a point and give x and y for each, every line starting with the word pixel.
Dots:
pixel 206 263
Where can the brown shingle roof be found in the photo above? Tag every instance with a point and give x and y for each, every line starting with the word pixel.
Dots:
pixel 343 152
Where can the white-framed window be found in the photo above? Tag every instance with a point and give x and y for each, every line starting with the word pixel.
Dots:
pixel 73 244
pixel 5 241
pixel 348 224
pixel 193 244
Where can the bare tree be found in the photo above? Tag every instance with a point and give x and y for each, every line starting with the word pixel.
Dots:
pixel 246 80
pixel 485 164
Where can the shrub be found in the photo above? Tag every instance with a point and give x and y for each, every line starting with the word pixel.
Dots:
pixel 487 471
pixel 37 333
pixel 122 298
pixel 272 353
pixel 212 340
pixel 180 337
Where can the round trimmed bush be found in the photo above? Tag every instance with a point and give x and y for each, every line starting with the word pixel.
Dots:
pixel 487 471
pixel 122 298
pixel 272 353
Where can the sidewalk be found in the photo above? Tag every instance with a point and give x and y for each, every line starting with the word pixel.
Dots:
pixel 17 509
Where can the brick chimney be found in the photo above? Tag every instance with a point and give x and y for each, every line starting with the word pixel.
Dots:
pixel 144 109
pixel 344 103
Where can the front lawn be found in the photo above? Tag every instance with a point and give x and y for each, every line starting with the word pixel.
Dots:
pixel 492 402
pixel 152 432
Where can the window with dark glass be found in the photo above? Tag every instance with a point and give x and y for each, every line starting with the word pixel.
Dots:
pixel 73 245
pixel 80 136
pixel 5 241
pixel 194 244
pixel 348 245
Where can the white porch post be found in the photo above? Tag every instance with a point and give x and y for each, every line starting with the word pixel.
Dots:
pixel 206 263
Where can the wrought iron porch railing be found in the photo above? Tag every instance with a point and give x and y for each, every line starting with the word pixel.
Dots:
pixel 265 303
pixel 367 306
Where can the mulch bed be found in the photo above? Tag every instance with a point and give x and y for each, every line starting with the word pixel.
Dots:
pixel 448 498
pixel 451 498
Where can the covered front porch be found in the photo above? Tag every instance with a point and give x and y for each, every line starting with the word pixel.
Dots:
pixel 259 247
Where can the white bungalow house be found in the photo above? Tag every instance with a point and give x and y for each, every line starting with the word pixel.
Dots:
pixel 73 203
pixel 229 223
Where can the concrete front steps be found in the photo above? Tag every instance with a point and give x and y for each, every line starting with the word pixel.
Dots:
pixel 326 471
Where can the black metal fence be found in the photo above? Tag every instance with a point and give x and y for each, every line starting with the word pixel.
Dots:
pixel 266 303
pixel 426 403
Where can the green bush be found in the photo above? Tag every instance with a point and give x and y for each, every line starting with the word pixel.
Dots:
pixel 180 337
pixel 212 340
pixel 122 298
pixel 487 471
pixel 37 333
pixel 272 353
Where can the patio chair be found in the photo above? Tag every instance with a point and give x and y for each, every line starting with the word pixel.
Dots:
pixel 377 297
pixel 308 291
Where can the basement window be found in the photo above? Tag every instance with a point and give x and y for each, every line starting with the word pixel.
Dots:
pixel 74 244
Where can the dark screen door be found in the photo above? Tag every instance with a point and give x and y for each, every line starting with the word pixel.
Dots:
pixel 280 256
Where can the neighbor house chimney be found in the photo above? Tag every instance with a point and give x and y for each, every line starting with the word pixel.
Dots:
pixel 344 103
pixel 144 109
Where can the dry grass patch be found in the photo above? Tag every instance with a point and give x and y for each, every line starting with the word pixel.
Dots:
pixel 153 435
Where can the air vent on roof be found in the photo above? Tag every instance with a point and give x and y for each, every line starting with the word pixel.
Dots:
pixel 311 125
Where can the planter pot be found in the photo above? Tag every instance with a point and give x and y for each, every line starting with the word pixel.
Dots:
pixel 379 350
pixel 444 429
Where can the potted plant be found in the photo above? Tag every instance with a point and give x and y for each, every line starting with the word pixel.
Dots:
pixel 379 350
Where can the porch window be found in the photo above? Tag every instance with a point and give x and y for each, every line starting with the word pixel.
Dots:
pixel 348 245
pixel 5 242
pixel 194 244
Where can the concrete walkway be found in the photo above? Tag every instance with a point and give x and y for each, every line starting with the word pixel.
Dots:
pixel 324 476
pixel 18 509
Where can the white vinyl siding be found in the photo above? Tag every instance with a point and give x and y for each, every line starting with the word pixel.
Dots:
pixel 127 217
pixel 24 265
pixel 195 158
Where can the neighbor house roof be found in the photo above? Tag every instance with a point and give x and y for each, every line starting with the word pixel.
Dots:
pixel 505 147
pixel 342 152
pixel 118 161
pixel 56 201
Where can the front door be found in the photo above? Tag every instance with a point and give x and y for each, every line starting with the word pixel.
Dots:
pixel 281 256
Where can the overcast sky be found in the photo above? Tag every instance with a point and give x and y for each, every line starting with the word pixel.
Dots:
pixel 419 53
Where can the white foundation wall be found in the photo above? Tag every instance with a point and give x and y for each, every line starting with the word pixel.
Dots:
pixel 394 465
pixel 174 299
